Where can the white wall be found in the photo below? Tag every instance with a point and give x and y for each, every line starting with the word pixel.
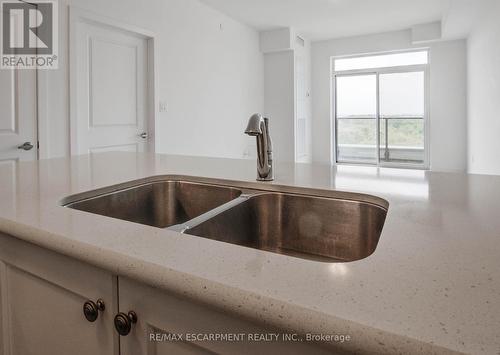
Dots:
pixel 484 94
pixel 304 106
pixel 448 93
pixel 211 79
pixel 280 102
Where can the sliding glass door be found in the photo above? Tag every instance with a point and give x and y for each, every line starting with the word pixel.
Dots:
pixel 356 123
pixel 380 118
pixel 402 112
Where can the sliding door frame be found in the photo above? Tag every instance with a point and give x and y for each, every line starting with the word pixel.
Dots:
pixel 377 72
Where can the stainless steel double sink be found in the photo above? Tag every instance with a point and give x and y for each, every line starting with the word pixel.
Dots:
pixel 312 224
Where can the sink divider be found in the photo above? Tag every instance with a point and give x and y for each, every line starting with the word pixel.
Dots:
pixel 183 227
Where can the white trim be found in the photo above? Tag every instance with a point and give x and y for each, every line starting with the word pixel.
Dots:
pixel 42 83
pixel 384 70
pixel 377 88
pixel 153 91
pixel 78 15
pixel 295 102
pixel 380 53
pixel 333 121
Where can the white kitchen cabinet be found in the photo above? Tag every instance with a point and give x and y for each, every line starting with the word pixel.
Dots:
pixel 41 303
pixel 161 313
pixel 42 294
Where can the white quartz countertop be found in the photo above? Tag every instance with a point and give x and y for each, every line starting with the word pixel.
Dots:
pixel 432 285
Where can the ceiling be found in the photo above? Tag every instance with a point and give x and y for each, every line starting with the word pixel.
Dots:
pixel 326 19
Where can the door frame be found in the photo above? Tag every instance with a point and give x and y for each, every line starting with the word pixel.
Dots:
pixel 425 68
pixel 78 15
pixel 41 124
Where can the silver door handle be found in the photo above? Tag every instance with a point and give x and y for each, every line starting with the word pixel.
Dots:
pixel 26 146
pixel 144 135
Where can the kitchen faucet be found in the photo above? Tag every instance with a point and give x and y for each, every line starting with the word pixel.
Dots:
pixel 258 127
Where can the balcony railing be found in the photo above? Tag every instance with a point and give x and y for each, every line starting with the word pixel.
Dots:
pixel 410 130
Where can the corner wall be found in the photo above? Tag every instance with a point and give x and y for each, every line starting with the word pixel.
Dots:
pixel 484 94
pixel 448 93
pixel 287 102
pixel 279 103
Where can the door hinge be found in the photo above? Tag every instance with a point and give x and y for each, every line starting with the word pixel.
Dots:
pixel 37 145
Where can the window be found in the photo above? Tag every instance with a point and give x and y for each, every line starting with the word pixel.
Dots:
pixel 381 61
pixel 380 109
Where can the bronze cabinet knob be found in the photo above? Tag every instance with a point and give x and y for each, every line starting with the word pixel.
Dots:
pixel 123 322
pixel 91 309
pixel 26 146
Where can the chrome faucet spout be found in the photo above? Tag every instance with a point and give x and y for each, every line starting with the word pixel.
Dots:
pixel 258 127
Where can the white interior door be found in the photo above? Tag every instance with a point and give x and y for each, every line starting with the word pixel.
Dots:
pixel 111 107
pixel 18 110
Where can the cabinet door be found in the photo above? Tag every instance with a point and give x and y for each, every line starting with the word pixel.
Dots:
pixel 160 314
pixel 41 303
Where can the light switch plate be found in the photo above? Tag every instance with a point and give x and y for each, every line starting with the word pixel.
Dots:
pixel 163 106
